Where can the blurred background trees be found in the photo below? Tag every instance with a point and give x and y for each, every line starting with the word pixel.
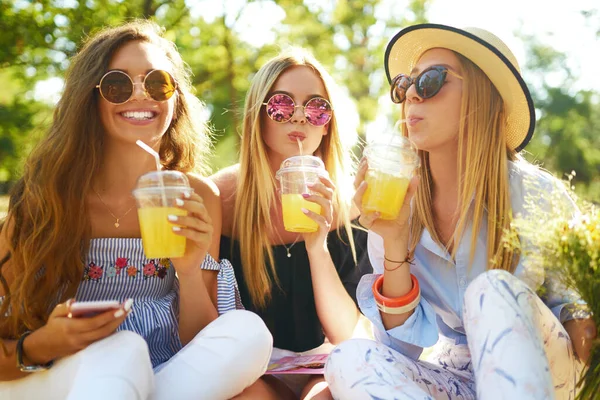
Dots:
pixel 37 38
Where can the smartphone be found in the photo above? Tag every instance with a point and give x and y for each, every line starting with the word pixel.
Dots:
pixel 86 309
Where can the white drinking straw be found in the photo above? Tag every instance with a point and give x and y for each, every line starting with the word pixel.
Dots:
pixel 156 156
pixel 397 128
pixel 302 161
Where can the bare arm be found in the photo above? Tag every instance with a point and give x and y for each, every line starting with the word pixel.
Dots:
pixel 395 234
pixel 336 309
pixel 198 288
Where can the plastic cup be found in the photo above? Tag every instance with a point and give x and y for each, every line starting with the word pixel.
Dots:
pixel 391 166
pixel 294 175
pixel 155 195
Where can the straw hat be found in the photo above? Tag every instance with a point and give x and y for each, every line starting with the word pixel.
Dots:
pixel 484 49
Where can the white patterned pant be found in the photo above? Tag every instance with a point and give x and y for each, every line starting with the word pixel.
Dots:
pixel 517 350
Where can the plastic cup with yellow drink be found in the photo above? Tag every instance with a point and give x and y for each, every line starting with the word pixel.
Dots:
pixel 294 175
pixel 155 195
pixel 392 164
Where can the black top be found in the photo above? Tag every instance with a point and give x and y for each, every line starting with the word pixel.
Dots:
pixel 291 315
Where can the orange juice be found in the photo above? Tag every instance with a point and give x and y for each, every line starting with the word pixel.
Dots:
pixel 294 220
pixel 385 193
pixel 158 237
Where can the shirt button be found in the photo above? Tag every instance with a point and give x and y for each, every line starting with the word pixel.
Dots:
pixel 462 282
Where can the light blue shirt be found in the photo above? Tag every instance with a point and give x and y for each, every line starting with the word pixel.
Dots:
pixel 444 281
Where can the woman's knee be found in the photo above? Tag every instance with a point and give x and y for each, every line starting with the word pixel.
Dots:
pixel 252 329
pixel 126 346
pixel 497 289
pixel 251 336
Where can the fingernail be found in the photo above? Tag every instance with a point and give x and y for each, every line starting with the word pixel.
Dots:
pixel 119 313
pixel 304 210
pixel 187 195
pixel 176 228
pixel 179 202
pixel 172 217
pixel 128 304
pixel 310 184
pixel 305 195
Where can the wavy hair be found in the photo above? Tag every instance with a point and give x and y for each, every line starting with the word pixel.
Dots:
pixel 256 187
pixel 483 170
pixel 48 223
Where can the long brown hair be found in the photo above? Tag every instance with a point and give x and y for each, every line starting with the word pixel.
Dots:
pixel 48 214
pixel 256 187
pixel 483 156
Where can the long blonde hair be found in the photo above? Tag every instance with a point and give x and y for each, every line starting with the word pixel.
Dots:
pixel 47 209
pixel 482 169
pixel 256 187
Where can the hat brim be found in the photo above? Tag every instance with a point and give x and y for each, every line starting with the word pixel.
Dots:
pixel 406 47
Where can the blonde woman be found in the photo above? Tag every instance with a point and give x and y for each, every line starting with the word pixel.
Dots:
pixel 72 234
pixel 302 285
pixel 444 277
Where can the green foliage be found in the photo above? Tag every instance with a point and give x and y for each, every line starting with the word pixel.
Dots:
pixel 3 206
pixel 567 135
pixel 347 36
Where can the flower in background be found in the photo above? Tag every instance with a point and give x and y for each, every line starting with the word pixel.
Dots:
pixel 559 238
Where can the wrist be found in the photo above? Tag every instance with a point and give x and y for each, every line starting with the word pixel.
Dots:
pixel 36 350
pixel 397 303
pixel 318 251
pixel 395 249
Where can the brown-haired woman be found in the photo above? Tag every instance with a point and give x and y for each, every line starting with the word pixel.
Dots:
pixel 72 233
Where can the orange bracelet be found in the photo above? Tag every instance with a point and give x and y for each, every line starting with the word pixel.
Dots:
pixel 396 302
pixel 400 310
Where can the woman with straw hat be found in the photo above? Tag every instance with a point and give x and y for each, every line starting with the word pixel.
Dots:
pixel 445 278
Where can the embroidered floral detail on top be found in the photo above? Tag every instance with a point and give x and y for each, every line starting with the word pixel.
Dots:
pixel 92 272
pixel 154 268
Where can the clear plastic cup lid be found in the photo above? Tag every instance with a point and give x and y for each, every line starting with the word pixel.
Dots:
pixel 170 179
pixel 302 163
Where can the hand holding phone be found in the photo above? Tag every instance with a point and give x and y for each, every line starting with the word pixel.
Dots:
pixel 86 309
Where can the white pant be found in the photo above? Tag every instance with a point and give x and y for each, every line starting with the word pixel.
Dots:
pixel 227 356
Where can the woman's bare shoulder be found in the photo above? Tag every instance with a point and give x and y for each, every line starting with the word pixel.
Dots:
pixel 226 180
pixel 205 187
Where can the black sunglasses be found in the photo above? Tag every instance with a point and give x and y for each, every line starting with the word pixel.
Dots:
pixel 427 84
pixel 117 87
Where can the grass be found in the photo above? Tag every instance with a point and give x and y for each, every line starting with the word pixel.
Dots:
pixel 3 205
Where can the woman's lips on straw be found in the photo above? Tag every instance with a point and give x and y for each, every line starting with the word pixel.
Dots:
pixel 295 136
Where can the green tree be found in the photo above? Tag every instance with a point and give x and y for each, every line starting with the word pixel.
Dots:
pixel 567 136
